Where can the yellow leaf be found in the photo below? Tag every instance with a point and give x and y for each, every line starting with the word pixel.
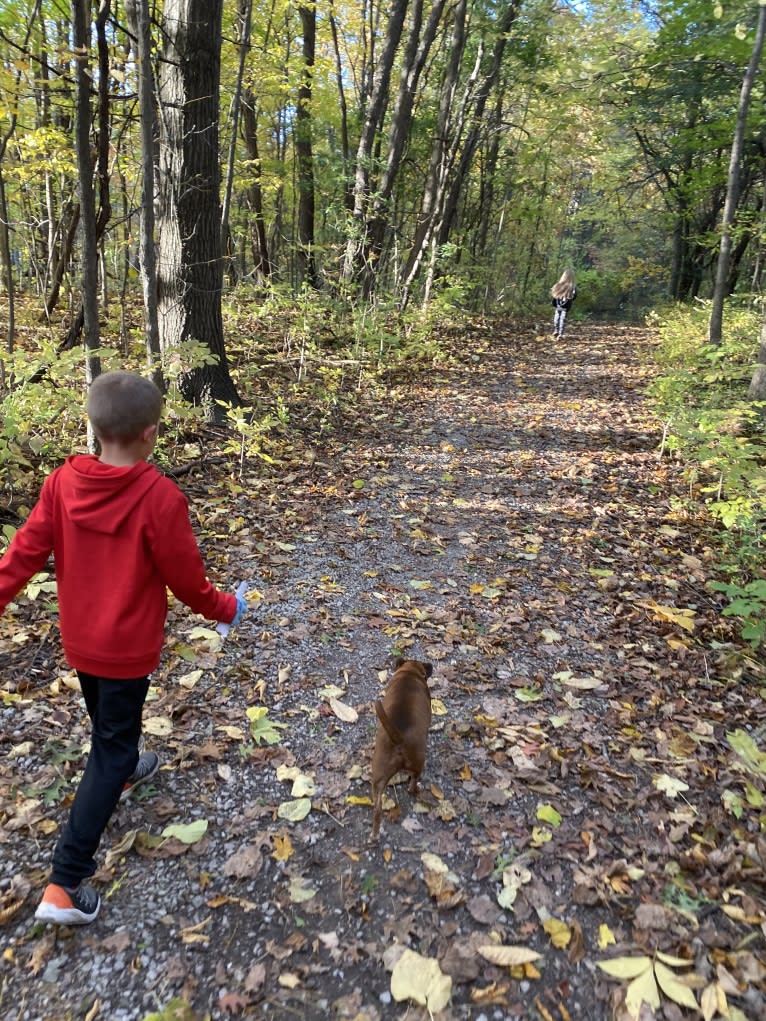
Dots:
pixel 673 987
pixel 605 936
pixel 669 785
pixel 358 799
pixel 187 833
pixel 540 835
pixel 283 847
pixel 509 956
pixel 547 813
pixel 713 1001
pixel 294 811
pixel 672 614
pixel 344 712
pixel 625 967
pixel 549 636
pixel 299 890
pixel 438 708
pixel 158 726
pixel 420 979
pixel 189 680
pixel 559 932
pixel 642 990
pixel 674 962
pixel 288 980
pixel 303 786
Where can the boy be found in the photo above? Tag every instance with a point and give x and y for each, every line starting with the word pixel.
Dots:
pixel 120 533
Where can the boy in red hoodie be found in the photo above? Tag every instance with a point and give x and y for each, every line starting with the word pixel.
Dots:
pixel 120 535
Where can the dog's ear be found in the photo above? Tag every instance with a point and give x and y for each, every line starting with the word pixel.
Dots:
pixel 428 669
pixel 399 663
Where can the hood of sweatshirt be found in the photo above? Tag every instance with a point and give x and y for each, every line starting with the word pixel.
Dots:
pixel 100 497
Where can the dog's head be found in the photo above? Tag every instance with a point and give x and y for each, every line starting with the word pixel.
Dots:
pixel 418 667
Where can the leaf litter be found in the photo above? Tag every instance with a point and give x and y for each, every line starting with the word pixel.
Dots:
pixel 588 838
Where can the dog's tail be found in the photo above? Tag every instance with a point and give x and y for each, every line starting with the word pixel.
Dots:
pixel 393 732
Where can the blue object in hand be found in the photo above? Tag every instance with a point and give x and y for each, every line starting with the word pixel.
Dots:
pixel 242 607
pixel 241 610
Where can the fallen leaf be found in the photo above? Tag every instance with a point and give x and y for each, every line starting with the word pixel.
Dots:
pixel 509 956
pixel 294 811
pixel 344 712
pixel 669 785
pixel 420 979
pixel 187 833
pixel 559 932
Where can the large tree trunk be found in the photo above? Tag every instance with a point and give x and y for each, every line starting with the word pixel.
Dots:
pixel 189 223
pixel 732 185
pixel 82 31
pixel 138 16
pixel 304 149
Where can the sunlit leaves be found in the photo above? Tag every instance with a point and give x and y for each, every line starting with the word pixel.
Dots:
pixel 261 727
pixel 419 978
pixel 647 976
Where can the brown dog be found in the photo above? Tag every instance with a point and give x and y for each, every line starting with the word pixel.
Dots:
pixel 400 743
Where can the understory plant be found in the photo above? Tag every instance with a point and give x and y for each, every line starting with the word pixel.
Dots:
pixel 701 395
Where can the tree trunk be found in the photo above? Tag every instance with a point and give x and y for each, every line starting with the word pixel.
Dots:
pixel 732 185
pixel 348 196
pixel 437 169
pixel 303 148
pixel 415 56
pixel 479 102
pixel 262 263
pixel 244 16
pixel 7 266
pixel 189 224
pixel 138 16
pixel 757 389
pixel 82 32
pixel 357 241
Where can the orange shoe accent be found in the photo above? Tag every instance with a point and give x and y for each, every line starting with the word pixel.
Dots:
pixel 57 895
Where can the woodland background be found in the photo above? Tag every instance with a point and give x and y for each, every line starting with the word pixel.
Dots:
pixel 214 189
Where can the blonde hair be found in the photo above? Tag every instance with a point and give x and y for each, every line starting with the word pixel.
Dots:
pixel 122 404
pixel 565 286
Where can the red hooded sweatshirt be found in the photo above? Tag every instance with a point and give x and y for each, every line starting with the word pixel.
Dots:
pixel 119 536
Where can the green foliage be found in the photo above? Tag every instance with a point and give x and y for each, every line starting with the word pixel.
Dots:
pixel 722 438
pixel 40 410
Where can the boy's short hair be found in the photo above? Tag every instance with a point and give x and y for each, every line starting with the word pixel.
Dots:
pixel 122 404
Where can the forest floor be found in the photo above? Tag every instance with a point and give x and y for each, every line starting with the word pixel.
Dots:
pixel 594 786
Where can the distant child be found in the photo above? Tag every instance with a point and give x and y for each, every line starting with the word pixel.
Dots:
pixel 120 533
pixel 562 295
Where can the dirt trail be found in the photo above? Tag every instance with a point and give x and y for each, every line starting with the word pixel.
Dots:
pixel 509 519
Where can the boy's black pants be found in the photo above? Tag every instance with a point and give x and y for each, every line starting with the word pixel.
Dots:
pixel 115 708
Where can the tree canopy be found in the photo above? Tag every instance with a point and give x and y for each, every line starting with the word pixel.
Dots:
pixel 395 152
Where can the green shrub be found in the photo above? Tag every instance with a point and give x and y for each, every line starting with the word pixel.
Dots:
pixel 701 395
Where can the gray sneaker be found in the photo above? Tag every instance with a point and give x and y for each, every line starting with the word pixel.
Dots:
pixel 68 907
pixel 147 766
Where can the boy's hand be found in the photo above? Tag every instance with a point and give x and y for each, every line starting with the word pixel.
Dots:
pixel 242 609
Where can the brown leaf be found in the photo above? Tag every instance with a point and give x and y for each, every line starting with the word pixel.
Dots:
pixel 233 1003
pixel 483 909
pixel 244 864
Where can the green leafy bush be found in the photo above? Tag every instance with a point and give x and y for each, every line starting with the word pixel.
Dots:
pixel 721 436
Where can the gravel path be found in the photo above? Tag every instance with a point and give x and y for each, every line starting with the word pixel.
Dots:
pixel 507 518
